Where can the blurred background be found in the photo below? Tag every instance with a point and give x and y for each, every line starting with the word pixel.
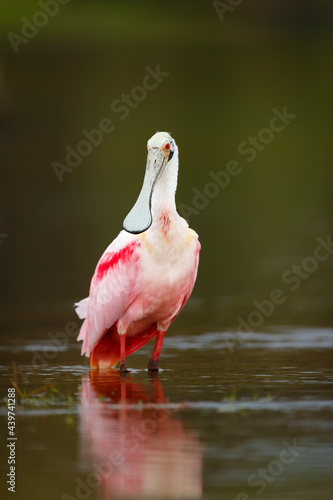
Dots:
pixel 221 72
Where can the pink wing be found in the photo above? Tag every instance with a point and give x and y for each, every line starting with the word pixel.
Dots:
pixel 192 278
pixel 112 289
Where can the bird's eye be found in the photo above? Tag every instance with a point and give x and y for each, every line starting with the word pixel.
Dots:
pixel 167 146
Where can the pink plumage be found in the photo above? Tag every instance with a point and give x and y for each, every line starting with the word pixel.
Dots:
pixel 146 275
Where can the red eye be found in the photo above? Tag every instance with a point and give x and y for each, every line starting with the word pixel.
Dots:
pixel 167 146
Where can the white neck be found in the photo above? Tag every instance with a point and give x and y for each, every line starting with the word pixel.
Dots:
pixel 163 199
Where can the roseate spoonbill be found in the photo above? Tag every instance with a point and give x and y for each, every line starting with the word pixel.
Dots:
pixel 146 274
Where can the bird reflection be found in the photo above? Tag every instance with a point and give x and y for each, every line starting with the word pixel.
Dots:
pixel 133 441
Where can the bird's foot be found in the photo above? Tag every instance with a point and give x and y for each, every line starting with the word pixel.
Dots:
pixel 153 366
pixel 123 368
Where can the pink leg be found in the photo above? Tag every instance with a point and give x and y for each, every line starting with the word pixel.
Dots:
pixel 122 353
pixel 155 355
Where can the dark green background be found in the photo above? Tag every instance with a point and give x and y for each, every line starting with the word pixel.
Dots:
pixel 225 77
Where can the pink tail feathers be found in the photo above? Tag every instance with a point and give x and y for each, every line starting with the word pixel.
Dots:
pixel 106 352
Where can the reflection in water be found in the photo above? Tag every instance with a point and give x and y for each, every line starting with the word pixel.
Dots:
pixel 133 440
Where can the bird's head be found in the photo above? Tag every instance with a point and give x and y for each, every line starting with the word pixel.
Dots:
pixel 161 149
pixel 160 144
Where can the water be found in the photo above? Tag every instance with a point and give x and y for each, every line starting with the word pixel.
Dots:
pixel 255 421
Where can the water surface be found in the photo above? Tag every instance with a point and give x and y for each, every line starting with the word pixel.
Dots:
pixel 254 421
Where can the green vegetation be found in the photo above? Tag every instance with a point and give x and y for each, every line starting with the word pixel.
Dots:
pixel 44 396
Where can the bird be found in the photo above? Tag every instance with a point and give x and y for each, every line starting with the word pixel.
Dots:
pixel 146 275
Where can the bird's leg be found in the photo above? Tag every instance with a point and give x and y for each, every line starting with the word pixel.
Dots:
pixel 122 353
pixel 153 362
